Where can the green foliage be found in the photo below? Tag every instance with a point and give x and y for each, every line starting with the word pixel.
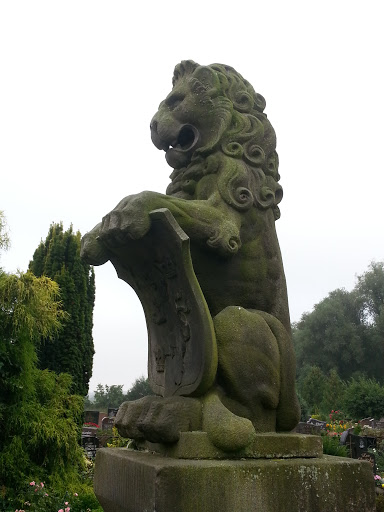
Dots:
pixel 380 503
pixel 39 497
pixel 28 309
pixel 71 351
pixel 39 418
pixel 305 410
pixel 333 393
pixel 357 429
pixel 370 286
pixel 311 387
pixel 332 446
pixel 345 331
pixel 40 434
pixel 4 237
pixel 117 441
pixel 113 396
pixel 139 389
pixel 330 336
pixel 358 397
pixel 88 404
pixel 379 455
pixel 364 398
pixel 108 396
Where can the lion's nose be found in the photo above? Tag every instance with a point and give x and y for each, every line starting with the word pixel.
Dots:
pixel 153 125
pixel 156 139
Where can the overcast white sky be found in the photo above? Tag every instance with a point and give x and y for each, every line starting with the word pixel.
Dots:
pixel 80 81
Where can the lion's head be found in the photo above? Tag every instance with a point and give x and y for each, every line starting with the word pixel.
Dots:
pixel 213 119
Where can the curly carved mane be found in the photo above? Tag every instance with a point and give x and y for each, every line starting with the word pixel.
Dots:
pixel 244 141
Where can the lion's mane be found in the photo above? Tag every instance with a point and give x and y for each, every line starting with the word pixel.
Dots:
pixel 245 139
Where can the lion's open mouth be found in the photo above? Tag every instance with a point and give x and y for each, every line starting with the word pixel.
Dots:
pixel 179 144
pixel 187 138
pixel 180 151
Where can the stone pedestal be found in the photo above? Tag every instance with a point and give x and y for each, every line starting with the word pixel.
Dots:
pixel 135 481
pixel 269 445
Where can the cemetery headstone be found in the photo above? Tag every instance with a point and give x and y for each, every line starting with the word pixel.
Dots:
pixel 91 417
pixel 367 422
pixel 107 423
pixel 112 411
pixel 317 423
pixel 307 428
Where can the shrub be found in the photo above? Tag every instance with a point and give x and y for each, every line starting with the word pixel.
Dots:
pixel 380 503
pixel 332 446
pixel 364 398
pixel 304 408
pixel 116 440
pixel 42 433
pixel 37 497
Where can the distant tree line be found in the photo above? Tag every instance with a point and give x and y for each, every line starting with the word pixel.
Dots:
pixel 113 396
pixel 340 349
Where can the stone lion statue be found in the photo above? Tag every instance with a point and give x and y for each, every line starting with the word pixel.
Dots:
pixel 224 194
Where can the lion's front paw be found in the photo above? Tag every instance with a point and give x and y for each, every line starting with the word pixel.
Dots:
pixel 226 430
pixel 130 413
pixel 92 249
pixel 167 417
pixel 129 220
pixel 157 419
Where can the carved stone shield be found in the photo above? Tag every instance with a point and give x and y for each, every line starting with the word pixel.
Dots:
pixel 182 352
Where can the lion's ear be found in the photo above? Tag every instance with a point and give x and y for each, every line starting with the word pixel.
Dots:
pixel 209 78
pixel 185 67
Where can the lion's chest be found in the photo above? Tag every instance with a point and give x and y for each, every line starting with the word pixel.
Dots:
pixel 247 279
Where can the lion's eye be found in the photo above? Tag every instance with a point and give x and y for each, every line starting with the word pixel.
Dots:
pixel 174 101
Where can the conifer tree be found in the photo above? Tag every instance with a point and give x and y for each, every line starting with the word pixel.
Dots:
pixel 39 416
pixel 71 351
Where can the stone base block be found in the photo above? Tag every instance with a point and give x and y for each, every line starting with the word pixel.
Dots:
pixel 196 445
pixel 132 481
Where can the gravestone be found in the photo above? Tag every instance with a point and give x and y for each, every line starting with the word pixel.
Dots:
pixel 112 411
pixel 91 417
pixel 307 428
pixel 107 423
pixel 317 423
pixel 367 422
pixel 369 457
pixel 90 443
pixel 205 261
pixel 88 430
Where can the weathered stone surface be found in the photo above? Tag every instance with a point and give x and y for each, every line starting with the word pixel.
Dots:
pixel 128 481
pixel 224 197
pixel 182 352
pixel 220 350
pixel 159 419
pixel 197 445
pixel 307 428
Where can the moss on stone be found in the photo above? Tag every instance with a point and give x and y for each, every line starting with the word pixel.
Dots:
pixel 127 481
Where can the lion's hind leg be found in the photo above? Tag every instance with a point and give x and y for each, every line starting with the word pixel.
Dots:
pixel 288 410
pixel 249 371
